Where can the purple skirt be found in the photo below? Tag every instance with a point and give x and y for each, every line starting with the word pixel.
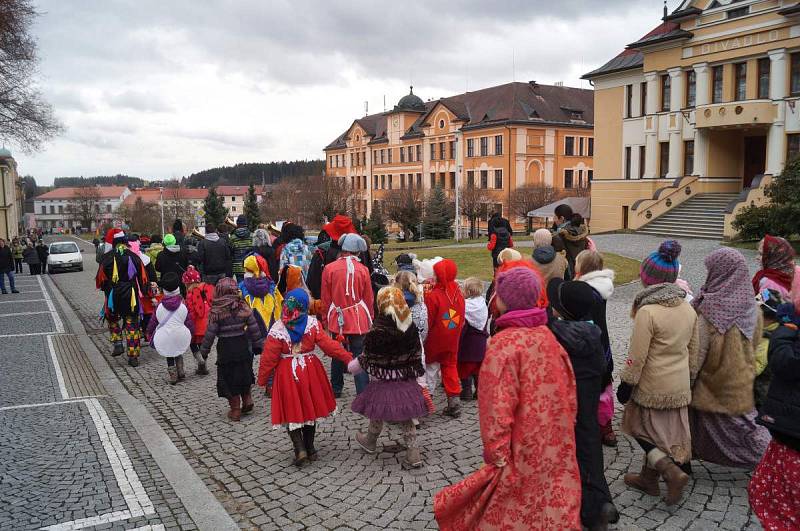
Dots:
pixel 393 401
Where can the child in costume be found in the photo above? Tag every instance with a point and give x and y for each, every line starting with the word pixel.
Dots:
pixel 472 346
pixel 199 297
pixel 393 358
pixel 232 321
pixel 171 328
pixel 301 392
pixel 260 293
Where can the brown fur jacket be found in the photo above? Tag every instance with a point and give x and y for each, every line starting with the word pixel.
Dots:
pixel 724 369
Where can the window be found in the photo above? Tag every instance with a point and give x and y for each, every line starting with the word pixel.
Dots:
pixel 580 179
pixel 383 182
pixel 627 162
pixel 410 154
pixel 389 154
pixel 44 209
pixel 569 145
pixel 484 146
pixel 641 161
pixel 740 80
pixel 233 208
pixel 433 180
pixel 60 209
pixel 383 154
pixel 433 151
pixel 580 146
pixel 443 180
pixel 792 147
pixel 484 179
pixel 663 159
pixel 375 184
pixel 452 149
pixel 498 179
pixel 402 180
pixel 374 157
pixel 688 157
pixel 402 155
pixel 419 180
pixel 763 77
pixel 568 178
pixel 795 74
pixel 642 98
pixel 498 144
pixel 442 153
pixel 389 180
pixel 470 179
pixel 628 101
pixel 470 147
pixel 591 146
pixel 716 84
pixel 452 180
pixel 666 86
pixel 739 12
pixel 589 176
pixel 52 209
pixel 419 153
pixel 691 88
pixel 352 159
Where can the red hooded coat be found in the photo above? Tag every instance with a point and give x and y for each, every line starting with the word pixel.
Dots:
pixel 445 314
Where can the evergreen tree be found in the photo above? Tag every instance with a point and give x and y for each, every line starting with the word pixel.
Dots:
pixel 780 216
pixel 215 211
pixel 437 224
pixel 251 211
pixel 375 228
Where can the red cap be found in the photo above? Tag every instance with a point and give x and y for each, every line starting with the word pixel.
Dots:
pixel 339 226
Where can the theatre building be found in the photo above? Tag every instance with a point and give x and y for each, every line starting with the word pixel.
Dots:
pixel 696 117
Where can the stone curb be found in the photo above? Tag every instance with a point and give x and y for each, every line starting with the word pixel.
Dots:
pixel 206 511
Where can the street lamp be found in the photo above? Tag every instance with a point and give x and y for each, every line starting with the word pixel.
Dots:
pixel 161 194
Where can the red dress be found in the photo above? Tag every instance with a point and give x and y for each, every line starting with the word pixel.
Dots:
pixel 301 391
pixel 527 407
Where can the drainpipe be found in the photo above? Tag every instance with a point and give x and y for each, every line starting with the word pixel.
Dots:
pixel 508 127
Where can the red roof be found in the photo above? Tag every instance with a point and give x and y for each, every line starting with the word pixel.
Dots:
pixel 106 192
pixel 152 195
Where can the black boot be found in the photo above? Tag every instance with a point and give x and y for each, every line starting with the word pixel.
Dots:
pixel 300 455
pixel 475 394
pixel 308 439
pixel 466 389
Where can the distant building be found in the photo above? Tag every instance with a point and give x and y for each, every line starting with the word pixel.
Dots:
pixel 497 139
pixel 12 195
pixel 233 197
pixel 59 208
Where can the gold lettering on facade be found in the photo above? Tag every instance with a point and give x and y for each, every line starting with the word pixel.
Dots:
pixel 739 42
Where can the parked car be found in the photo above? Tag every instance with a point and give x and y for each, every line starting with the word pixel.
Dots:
pixel 64 256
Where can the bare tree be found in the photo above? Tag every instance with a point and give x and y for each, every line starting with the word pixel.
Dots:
pixel 25 117
pixel 405 208
pixel 142 217
pixel 329 196
pixel 530 197
pixel 84 206
pixel 473 203
pixel 176 206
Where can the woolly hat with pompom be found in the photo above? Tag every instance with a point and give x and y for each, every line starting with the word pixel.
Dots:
pixel 519 288
pixel 661 266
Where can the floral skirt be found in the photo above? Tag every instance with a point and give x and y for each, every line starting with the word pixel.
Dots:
pixel 666 429
pixel 393 401
pixel 775 488
pixel 728 440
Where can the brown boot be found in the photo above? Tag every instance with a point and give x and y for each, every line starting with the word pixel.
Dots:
pixel 235 414
pixel 300 454
pixel 247 403
pixel 675 478
pixel 646 481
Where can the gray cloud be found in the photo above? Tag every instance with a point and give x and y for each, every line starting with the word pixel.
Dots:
pixel 138 100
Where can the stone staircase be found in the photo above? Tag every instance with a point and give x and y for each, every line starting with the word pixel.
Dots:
pixel 702 216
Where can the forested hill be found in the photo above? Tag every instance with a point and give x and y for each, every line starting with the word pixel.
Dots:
pixel 246 173
pixel 106 180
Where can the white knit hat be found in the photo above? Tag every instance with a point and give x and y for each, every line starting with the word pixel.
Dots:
pixel 352 243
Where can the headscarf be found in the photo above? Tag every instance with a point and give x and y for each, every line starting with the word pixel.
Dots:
pixel 777 263
pixel 295 313
pixel 726 299
pixel 228 302
pixel 260 238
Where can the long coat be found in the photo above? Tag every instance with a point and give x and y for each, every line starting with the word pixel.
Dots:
pixel 527 407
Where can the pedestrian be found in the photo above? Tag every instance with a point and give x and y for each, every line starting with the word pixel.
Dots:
pixel 213 256
pixel 31 258
pixel 289 231
pixel 406 282
pixel 43 252
pixel 241 244
pixel 445 305
pixel 327 251
pixel 655 385
pixel 589 268
pixel 775 486
pixel 16 249
pixel 405 262
pixel 199 298
pixel 723 414
pixel 573 326
pixel 500 238
pixel 178 232
pixel 232 321
pixel 263 248
pixel 347 305
pixel 301 394
pixel 6 268
pixel 496 221
pixel 173 259
pixel 150 297
pixel 295 253
pixel 526 408
pixel 575 238
pixel 122 278
pixel 472 345
pixel 393 358
pixel 778 268
pixel 171 329
pixel 550 263
pixel 260 292
pixel 154 249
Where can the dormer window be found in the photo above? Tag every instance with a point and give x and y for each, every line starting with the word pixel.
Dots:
pixel 738 12
pixel 576 115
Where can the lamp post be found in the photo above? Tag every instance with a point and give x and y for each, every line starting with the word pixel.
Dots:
pixel 161 193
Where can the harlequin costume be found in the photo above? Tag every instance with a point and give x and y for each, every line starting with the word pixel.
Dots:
pixel 122 278
pixel 259 291
pixel 445 305
pixel 301 393
pixel 199 297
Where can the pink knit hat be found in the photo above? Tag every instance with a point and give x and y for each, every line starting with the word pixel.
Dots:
pixel 519 288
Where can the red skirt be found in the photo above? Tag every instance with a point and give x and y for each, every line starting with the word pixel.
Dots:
pixel 301 391
pixel 775 488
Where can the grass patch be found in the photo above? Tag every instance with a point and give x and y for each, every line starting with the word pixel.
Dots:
pixel 753 245
pixel 477 262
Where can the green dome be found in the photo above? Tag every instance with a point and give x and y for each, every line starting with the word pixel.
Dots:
pixel 410 102
pixel 5 154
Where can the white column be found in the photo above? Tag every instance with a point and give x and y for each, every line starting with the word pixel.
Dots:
pixel 675 154
pixel 777 74
pixel 676 89
pixel 776 142
pixel 652 92
pixel 701 153
pixel 651 156
pixel 702 85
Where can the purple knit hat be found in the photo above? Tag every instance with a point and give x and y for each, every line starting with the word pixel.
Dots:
pixel 519 288
pixel 661 266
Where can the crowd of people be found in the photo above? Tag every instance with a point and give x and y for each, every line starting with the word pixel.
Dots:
pixel 712 376
pixel 29 250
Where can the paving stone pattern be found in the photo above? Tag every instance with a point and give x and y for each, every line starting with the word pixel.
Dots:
pixel 247 465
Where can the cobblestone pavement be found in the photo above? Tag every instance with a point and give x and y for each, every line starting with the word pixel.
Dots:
pixel 247 465
pixel 67 460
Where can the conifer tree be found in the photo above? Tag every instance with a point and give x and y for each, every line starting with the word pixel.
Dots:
pixel 437 224
pixel 251 210
pixel 215 211
pixel 375 227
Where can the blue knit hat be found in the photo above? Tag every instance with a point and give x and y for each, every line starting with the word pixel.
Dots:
pixel 661 266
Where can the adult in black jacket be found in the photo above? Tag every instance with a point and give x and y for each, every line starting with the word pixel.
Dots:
pixel 213 256
pixel 173 259
pixel 571 303
pixel 495 222
pixel 43 252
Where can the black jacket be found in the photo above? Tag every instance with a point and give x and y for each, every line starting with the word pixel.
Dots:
pixel 43 252
pixel 213 257
pixel 495 223
pixel 172 259
pixel 324 254
pixel 6 259
pixel 268 254
pixel 781 411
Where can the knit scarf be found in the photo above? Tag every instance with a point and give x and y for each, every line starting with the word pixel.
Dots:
pixel 666 294
pixel 530 318
pixel 390 354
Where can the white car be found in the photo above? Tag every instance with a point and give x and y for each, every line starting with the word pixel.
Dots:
pixel 64 256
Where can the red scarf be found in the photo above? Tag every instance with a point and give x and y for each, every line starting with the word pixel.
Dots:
pixel 779 277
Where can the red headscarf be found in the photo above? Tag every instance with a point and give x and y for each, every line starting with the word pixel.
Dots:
pixel 777 262
pixel 339 226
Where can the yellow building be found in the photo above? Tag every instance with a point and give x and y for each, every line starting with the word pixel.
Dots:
pixel 11 195
pixel 696 117
pixel 497 140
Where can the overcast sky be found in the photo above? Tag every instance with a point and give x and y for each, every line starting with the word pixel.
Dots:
pixel 161 89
